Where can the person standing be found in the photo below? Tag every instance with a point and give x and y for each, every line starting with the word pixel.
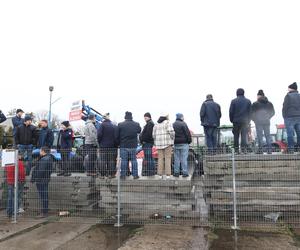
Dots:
pixel 41 175
pixel 65 139
pixel 210 115
pixel 90 133
pixel 261 113
pixel 240 116
pixel 2 117
pixel 108 144
pixel 291 115
pixel 147 141
pixel 181 146
pixel 164 135
pixel 128 136
pixel 17 121
pixel 46 136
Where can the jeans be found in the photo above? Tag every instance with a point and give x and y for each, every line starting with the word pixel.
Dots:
pixel 148 162
pixel 128 154
pixel 240 129
pixel 211 137
pixel 108 161
pixel 10 198
pixel 91 151
pixel 181 153
pixel 26 152
pixel 260 130
pixel 292 124
pixel 43 194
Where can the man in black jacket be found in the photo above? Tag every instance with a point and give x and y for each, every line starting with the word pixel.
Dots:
pixel 291 115
pixel 147 141
pixel 240 116
pixel 26 137
pixel 41 176
pixel 210 115
pixel 181 146
pixel 262 112
pixel 128 136
pixel 2 117
pixel 17 121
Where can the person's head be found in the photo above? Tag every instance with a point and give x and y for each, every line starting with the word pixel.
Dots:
pixel 44 151
pixel 92 117
pixel 260 94
pixel 28 120
pixel 128 115
pixel 44 123
pixel 179 116
pixel 106 116
pixel 19 112
pixel 293 87
pixel 240 92
pixel 209 97
pixel 65 125
pixel 164 115
pixel 147 116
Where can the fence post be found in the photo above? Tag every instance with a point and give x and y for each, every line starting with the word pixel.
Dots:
pixel 118 224
pixel 16 186
pixel 235 227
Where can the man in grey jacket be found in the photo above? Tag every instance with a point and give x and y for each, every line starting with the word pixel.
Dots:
pixel 90 133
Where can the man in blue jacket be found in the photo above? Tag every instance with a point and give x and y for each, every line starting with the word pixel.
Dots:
pixel 291 115
pixel 45 135
pixel 17 121
pixel 210 115
pixel 41 176
pixel 240 116
pixel 128 136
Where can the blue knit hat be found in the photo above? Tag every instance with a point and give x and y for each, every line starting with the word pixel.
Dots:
pixel 179 116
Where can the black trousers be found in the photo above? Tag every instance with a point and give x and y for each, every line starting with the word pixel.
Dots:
pixel 240 130
pixel 108 161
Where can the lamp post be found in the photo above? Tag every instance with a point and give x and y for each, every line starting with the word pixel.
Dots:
pixel 51 88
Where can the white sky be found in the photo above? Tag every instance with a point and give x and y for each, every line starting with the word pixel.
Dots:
pixel 147 55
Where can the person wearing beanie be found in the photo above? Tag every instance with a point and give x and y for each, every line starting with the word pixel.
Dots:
pixel 240 117
pixel 147 142
pixel 65 139
pixel 261 113
pixel 181 146
pixel 17 121
pixel 25 138
pixel 128 136
pixel 210 115
pixel 291 116
pixel 164 135
pixel 90 144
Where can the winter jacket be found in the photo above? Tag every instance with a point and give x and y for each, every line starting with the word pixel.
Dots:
pixel 26 135
pixel 210 114
pixel 2 117
pixel 16 121
pixel 46 138
pixel 128 133
pixel 291 105
pixel 43 169
pixel 182 132
pixel 240 110
pixel 107 135
pixel 10 173
pixel 163 134
pixel 262 111
pixel 90 133
pixel 65 139
pixel 146 135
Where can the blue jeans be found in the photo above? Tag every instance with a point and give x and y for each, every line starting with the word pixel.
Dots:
pixel 260 130
pixel 43 194
pixel 292 124
pixel 26 152
pixel 181 153
pixel 128 154
pixel 211 137
pixel 148 161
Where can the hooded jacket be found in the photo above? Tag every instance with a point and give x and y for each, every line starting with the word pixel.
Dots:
pixel 291 105
pixel 262 111
pixel 146 135
pixel 182 132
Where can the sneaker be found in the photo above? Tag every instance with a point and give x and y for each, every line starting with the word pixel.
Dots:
pixel 168 177
pixel 176 175
pixel 136 177
pixel 21 210
pixel 185 175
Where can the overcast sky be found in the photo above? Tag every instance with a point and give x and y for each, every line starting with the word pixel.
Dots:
pixel 156 56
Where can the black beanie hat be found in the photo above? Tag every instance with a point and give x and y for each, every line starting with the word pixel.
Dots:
pixel 147 115
pixel 240 92
pixel 128 115
pixel 19 110
pixel 261 92
pixel 66 124
pixel 293 86
pixel 27 118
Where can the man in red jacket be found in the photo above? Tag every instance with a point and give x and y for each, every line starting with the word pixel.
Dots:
pixel 10 179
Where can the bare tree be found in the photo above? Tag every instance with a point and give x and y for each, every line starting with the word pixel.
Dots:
pixel 11 112
pixel 43 115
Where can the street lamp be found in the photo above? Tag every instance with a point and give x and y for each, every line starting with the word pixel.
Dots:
pixel 51 88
